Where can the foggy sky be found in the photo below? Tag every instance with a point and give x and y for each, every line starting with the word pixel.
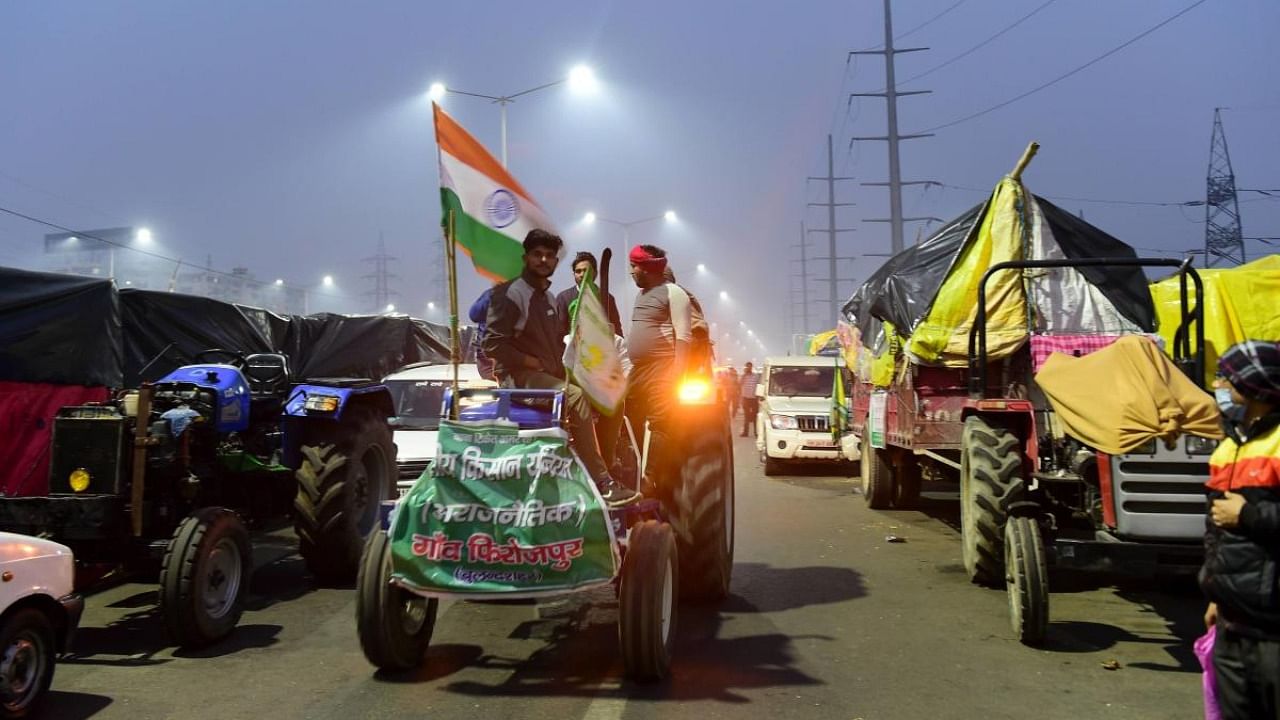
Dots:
pixel 285 136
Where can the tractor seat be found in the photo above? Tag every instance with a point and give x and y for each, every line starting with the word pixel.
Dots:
pixel 267 373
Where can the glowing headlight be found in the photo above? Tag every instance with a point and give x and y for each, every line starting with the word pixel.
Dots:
pixel 321 403
pixel 694 390
pixel 783 422
pixel 79 480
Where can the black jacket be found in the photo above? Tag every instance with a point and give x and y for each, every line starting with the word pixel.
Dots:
pixel 522 321
pixel 1241 570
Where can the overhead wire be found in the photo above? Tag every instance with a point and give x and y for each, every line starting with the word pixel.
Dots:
pixel 1069 73
pixel 982 44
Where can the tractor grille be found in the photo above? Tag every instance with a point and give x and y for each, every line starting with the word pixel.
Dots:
pixel 1159 495
pixel 410 470
pixel 813 423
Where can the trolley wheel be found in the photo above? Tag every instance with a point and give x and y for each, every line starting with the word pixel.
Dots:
pixel 877 475
pixel 647 601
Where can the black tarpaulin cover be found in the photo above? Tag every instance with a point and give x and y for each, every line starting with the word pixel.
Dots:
pixel 59 329
pixel 155 320
pixel 903 289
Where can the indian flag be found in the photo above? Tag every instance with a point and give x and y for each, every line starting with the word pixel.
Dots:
pixel 491 211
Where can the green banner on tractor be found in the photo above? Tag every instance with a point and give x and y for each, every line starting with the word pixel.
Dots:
pixel 502 513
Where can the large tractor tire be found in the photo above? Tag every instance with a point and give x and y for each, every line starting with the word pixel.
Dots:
pixel 990 473
pixel 395 625
pixel 1027 578
pixel 204 577
pixel 877 475
pixel 647 601
pixel 28 645
pixel 701 512
pixel 348 469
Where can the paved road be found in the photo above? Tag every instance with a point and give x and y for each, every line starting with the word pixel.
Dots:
pixel 826 620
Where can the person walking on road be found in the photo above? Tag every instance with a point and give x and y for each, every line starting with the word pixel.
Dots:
pixel 525 338
pixel 1241 571
pixel 732 391
pixel 750 403
pixel 659 346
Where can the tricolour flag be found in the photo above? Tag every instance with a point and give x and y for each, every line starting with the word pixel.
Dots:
pixel 591 357
pixel 491 211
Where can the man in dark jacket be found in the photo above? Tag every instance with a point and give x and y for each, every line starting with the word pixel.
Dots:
pixel 525 338
pixel 1241 572
pixel 583 262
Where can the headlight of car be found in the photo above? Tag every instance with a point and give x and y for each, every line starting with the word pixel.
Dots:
pixel 783 422
pixel 321 403
pixel 1197 445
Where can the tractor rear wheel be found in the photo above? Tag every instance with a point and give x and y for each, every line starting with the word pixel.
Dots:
pixel 701 512
pixel 348 469
pixel 990 474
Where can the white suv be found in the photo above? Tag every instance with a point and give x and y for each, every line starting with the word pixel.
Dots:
pixel 796 401
pixel 418 392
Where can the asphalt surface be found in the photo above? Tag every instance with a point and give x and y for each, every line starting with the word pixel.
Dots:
pixel 826 620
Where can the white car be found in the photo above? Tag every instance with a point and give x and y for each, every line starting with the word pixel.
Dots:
pixel 794 423
pixel 39 613
pixel 418 394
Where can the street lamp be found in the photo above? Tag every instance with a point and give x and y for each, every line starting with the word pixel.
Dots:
pixel 328 281
pixel 143 236
pixel 702 267
pixel 580 78
pixel 590 218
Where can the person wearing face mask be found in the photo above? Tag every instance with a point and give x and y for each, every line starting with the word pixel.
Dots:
pixel 1241 571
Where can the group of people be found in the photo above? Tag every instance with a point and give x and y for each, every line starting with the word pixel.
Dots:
pixel 741 392
pixel 522 329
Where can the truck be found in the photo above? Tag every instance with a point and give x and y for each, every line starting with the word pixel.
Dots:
pixel 165 480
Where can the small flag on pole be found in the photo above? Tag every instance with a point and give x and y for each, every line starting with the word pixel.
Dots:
pixel 591 357
pixel 492 211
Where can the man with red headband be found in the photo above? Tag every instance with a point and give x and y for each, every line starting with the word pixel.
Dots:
pixel 658 345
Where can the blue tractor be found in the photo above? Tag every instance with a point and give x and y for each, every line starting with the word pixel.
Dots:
pixel 170 476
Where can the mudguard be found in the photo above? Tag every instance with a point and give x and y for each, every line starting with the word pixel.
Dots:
pixel 296 405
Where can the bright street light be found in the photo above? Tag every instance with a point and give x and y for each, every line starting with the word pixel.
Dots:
pixel 391 307
pixel 580 78
pixel 724 295
pixel 669 216
pixel 143 236
pixel 589 218
pixel 279 282
pixel 431 305
pixel 702 267
pixel 751 333
pixel 328 281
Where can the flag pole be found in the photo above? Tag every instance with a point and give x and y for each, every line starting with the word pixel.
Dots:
pixel 455 345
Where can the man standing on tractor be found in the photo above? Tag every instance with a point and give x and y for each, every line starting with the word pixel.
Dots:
pixel 1241 572
pixel 583 262
pixel 750 403
pixel 659 346
pixel 525 338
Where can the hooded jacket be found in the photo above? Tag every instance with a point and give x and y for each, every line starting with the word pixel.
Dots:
pixel 1241 570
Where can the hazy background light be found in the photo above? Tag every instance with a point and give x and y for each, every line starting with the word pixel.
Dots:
pixel 702 267
pixel 279 282
pixel 391 307
pixel 583 79
pixel 143 236
pixel 724 295
pixel 328 281
pixel 670 216
pixel 589 218
pixel 436 91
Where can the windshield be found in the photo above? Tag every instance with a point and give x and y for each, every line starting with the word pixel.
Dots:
pixel 801 381
pixel 417 402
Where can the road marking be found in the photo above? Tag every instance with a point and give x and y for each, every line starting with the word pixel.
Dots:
pixel 606 706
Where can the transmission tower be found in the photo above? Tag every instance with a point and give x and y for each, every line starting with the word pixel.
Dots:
pixel 381 277
pixel 1223 238
pixel 891 96
pixel 833 257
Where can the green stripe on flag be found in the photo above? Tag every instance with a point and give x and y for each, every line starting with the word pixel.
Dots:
pixel 496 256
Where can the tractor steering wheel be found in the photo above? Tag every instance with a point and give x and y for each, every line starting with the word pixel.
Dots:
pixel 212 355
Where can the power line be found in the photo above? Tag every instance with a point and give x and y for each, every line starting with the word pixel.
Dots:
pixel 1068 74
pixel 122 246
pixel 980 45
pixel 928 22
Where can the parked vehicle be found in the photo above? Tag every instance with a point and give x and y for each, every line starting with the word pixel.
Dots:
pixel 417 397
pixel 797 395
pixel 39 613
pixel 167 475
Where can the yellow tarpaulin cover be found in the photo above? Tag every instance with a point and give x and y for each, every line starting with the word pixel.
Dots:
pixel 820 340
pixel 1240 304
pixel 942 337
pixel 1119 397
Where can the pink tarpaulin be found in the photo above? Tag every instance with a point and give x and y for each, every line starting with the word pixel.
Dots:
pixel 26 427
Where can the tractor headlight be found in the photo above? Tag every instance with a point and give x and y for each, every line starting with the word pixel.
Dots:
pixel 694 390
pixel 1197 445
pixel 783 422
pixel 79 480
pixel 321 403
